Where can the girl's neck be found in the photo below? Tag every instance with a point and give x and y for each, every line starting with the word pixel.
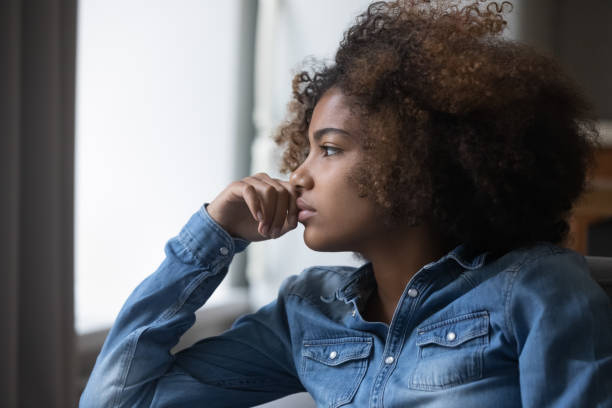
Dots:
pixel 395 260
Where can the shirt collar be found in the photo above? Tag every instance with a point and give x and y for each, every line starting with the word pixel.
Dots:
pixel 465 257
pixel 364 276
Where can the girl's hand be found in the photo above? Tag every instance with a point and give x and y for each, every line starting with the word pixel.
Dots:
pixel 256 208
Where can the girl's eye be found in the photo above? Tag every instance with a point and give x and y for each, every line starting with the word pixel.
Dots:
pixel 330 150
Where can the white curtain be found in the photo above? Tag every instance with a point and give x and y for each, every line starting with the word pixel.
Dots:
pixel 288 31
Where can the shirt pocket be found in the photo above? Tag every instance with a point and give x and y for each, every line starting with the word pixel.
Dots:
pixel 332 369
pixel 450 352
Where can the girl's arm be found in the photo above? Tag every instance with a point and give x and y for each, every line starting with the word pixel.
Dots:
pixel 561 321
pixel 246 366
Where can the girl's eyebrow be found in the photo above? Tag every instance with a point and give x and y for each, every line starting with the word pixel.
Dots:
pixel 321 132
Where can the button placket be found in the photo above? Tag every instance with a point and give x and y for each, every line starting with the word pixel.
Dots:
pixel 399 323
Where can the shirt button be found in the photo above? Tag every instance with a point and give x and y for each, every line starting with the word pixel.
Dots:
pixel 451 336
pixel 224 251
pixel 333 355
pixel 389 360
pixel 412 292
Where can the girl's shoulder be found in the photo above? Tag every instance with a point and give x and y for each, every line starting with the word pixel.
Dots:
pixel 546 260
pixel 549 274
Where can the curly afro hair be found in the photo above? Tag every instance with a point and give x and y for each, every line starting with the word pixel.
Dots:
pixel 483 137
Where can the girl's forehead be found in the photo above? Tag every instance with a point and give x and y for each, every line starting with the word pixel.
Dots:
pixel 334 110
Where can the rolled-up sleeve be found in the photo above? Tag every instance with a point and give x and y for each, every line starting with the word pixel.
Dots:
pixel 135 367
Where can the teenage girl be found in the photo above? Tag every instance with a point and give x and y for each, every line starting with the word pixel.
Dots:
pixel 449 159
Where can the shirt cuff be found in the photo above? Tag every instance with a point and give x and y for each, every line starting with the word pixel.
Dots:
pixel 207 241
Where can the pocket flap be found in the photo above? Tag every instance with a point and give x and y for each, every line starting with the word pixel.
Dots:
pixel 333 352
pixel 455 331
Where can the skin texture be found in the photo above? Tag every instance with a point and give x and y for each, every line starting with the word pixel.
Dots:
pixel 336 216
pixel 255 208
pixel 342 220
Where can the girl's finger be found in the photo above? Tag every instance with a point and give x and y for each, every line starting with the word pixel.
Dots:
pixel 252 201
pixel 292 211
pixel 286 214
pixel 283 198
pixel 267 196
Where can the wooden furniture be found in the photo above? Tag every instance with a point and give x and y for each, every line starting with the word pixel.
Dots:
pixel 595 205
pixel 601 271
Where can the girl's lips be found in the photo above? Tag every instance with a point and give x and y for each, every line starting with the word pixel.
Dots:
pixel 303 215
pixel 306 211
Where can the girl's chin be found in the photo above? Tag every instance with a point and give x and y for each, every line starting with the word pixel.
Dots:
pixel 321 242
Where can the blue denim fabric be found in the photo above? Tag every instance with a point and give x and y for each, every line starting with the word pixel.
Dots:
pixel 530 328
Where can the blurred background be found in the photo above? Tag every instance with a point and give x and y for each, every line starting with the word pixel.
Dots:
pixel 120 118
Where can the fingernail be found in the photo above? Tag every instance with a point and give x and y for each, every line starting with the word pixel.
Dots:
pixel 259 216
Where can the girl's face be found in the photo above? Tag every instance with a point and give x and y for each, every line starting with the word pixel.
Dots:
pixel 335 217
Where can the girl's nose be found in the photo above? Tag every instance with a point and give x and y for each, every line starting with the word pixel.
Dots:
pixel 301 179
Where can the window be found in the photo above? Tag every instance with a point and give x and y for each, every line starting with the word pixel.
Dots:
pixel 156 136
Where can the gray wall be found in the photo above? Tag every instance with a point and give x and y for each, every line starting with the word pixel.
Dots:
pixel 579 35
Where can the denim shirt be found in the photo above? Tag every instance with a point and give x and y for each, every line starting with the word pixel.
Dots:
pixel 529 328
